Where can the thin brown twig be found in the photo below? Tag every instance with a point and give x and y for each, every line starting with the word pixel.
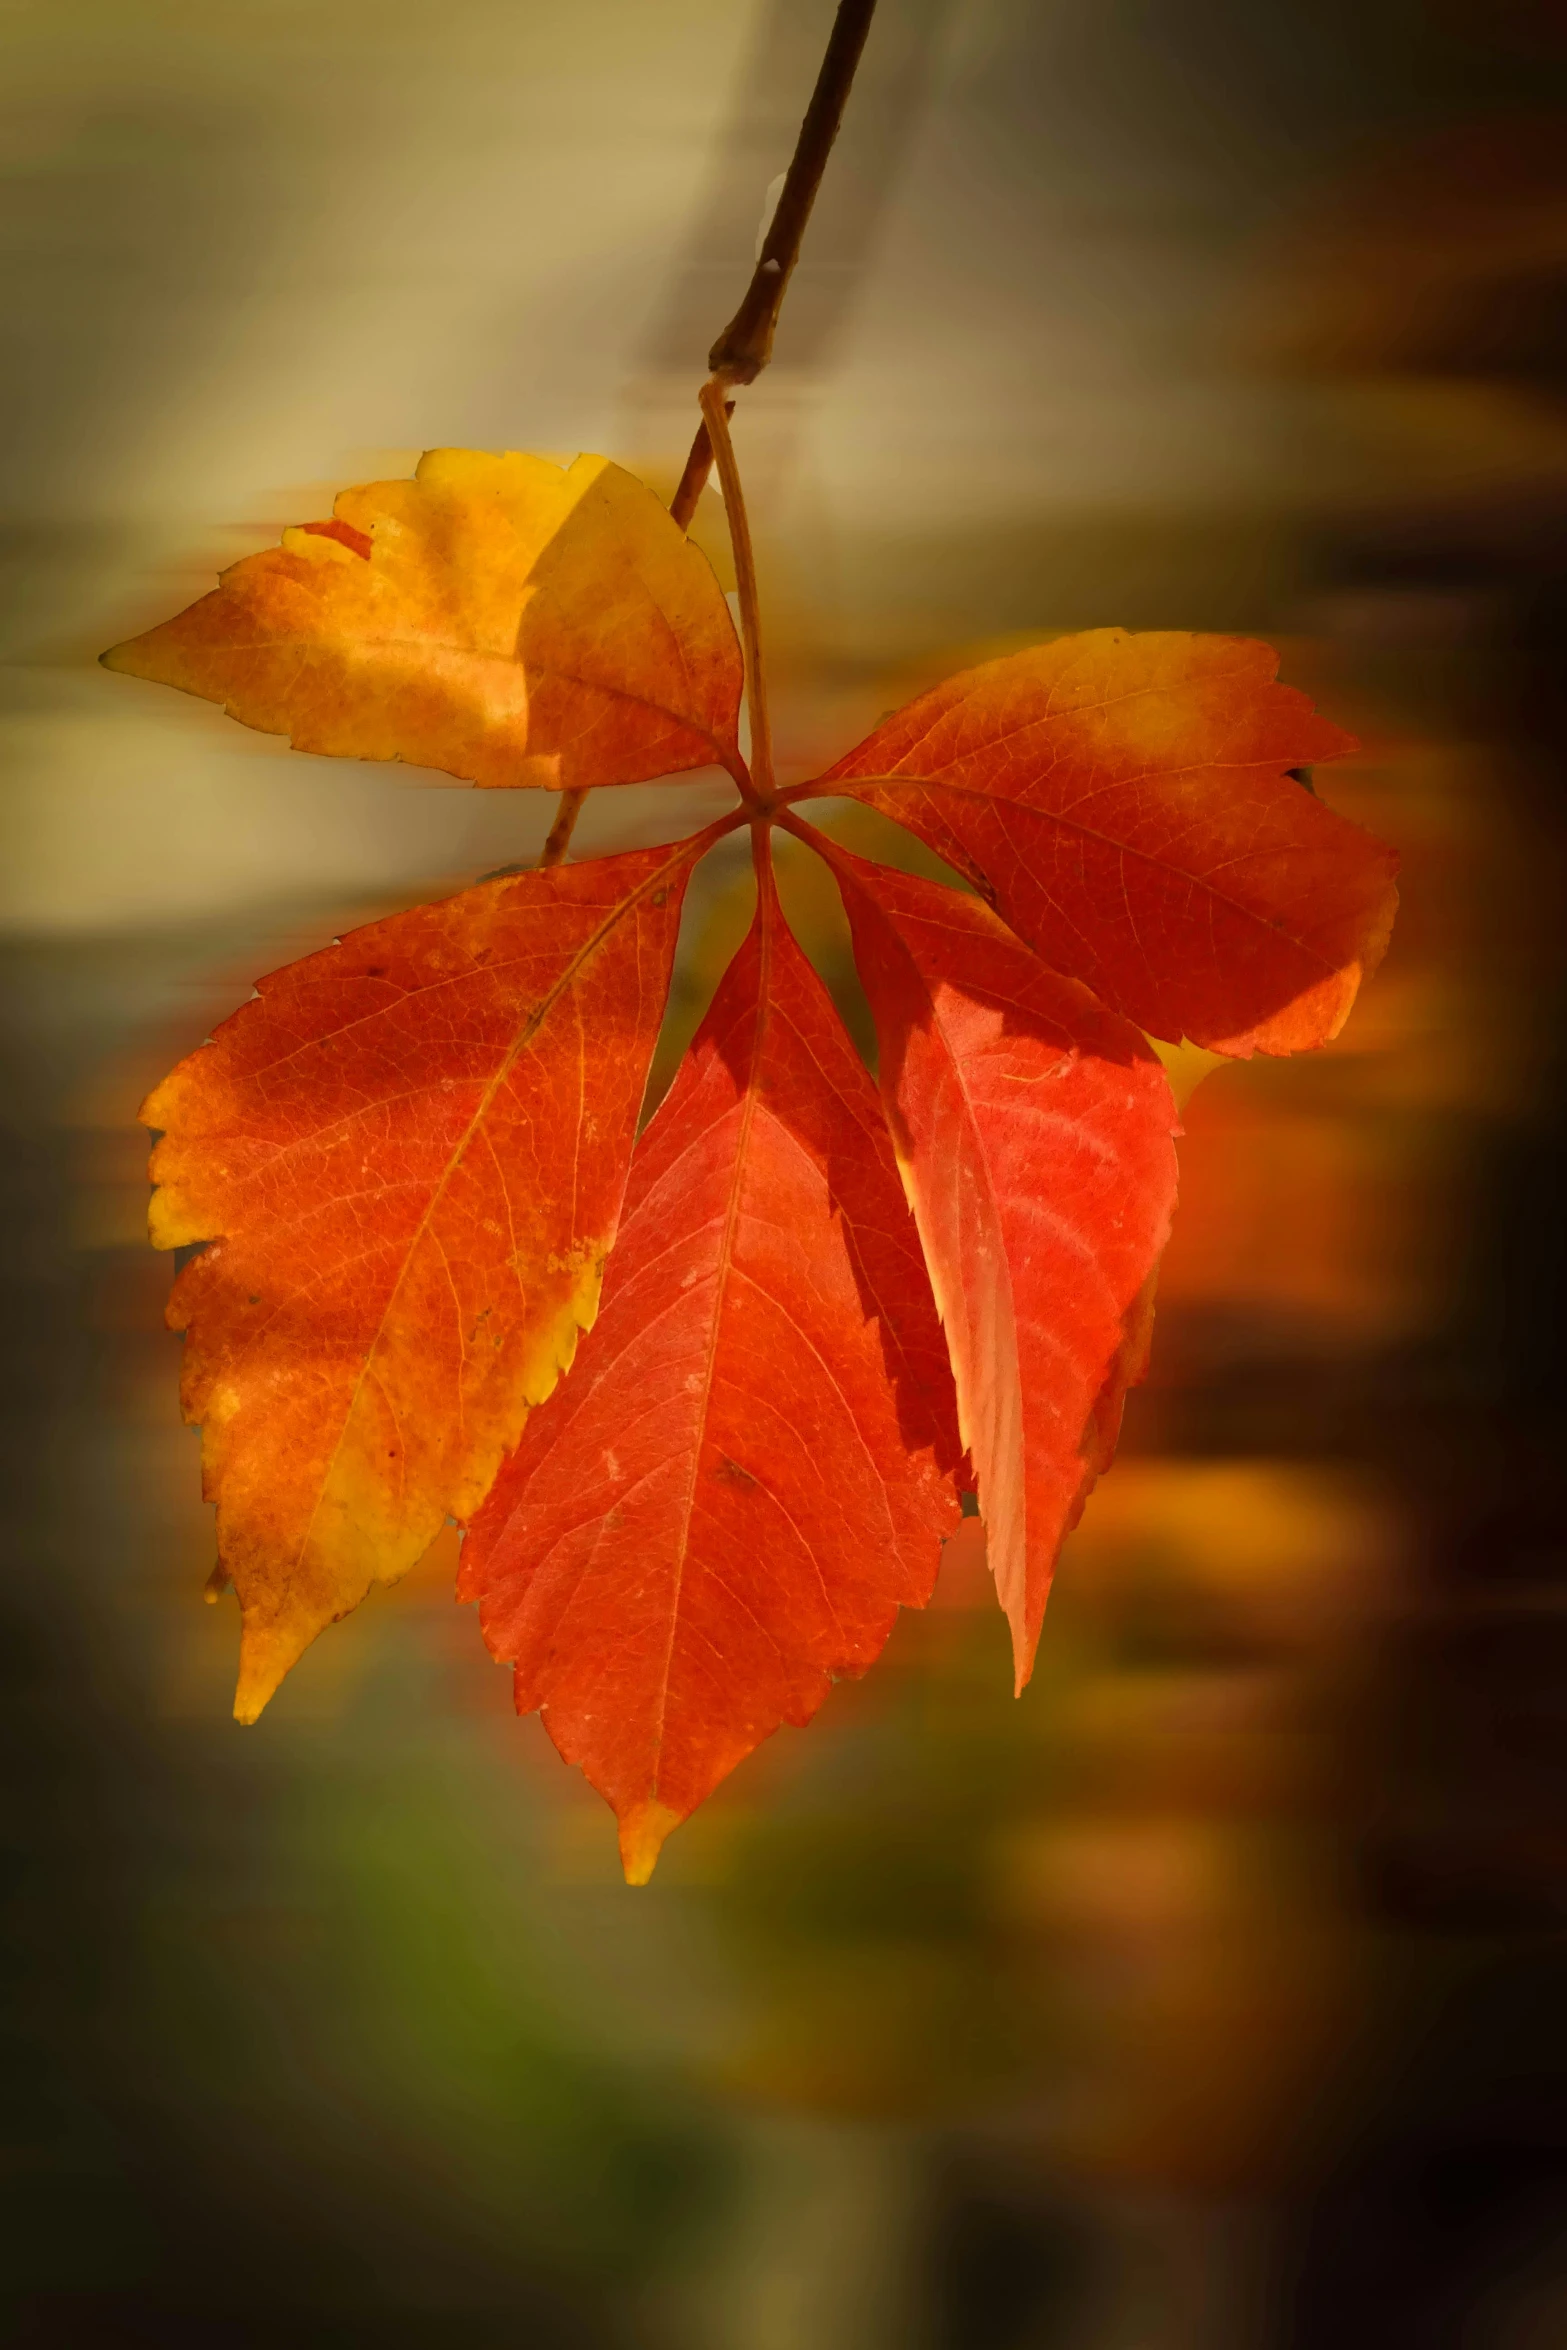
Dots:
pixel 564 826
pixel 699 464
pixel 715 410
pixel 746 344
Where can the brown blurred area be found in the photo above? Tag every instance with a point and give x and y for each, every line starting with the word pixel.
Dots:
pixel 1213 1996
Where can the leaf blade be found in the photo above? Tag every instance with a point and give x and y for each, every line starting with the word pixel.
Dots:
pixel 409 1173
pixel 761 1423
pixel 1126 804
pixel 1000 1077
pixel 497 618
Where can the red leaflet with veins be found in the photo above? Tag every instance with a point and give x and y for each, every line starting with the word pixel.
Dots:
pixel 408 1154
pixel 1125 803
pixel 752 1466
pixel 1034 1130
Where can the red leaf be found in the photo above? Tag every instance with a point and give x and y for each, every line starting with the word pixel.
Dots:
pixel 751 1468
pixel 408 1153
pixel 1034 1131
pixel 1125 804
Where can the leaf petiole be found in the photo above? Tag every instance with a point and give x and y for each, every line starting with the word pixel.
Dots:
pixel 715 414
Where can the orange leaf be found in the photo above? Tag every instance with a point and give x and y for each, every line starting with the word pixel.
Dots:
pixel 495 617
pixel 752 1466
pixel 1034 1132
pixel 1125 804
pixel 408 1153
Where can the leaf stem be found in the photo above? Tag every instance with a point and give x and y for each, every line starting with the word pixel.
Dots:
pixel 746 344
pixel 716 411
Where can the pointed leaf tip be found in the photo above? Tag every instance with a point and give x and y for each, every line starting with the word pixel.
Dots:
pixel 265 1660
pixel 643 1831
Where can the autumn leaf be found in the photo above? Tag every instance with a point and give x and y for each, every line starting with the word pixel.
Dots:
pixel 751 1467
pixel 408 1154
pixel 495 617
pixel 1125 803
pixel 1034 1132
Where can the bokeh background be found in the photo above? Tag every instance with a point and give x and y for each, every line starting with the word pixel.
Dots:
pixel 1210 1998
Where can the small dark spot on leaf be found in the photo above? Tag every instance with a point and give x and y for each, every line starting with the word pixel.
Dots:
pixel 732 1473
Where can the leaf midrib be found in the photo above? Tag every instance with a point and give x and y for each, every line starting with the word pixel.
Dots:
pixel 721 1282
pixel 851 787
pixel 337 648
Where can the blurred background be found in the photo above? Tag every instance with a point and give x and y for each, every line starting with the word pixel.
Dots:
pixel 1214 1996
